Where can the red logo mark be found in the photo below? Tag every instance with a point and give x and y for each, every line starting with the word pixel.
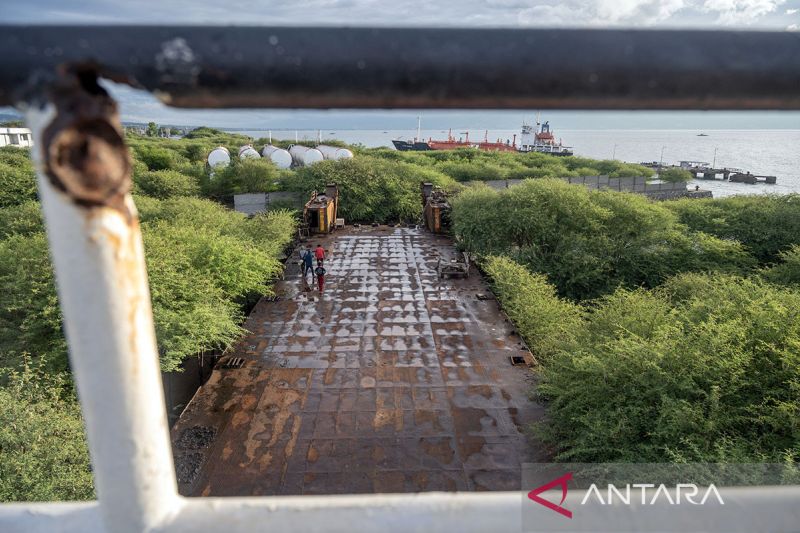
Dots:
pixel 562 481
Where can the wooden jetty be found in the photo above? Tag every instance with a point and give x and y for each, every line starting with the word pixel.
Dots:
pixel 705 171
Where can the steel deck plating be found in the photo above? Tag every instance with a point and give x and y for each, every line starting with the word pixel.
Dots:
pixel 392 381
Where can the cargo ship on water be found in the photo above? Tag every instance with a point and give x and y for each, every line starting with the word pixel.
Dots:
pixel 539 139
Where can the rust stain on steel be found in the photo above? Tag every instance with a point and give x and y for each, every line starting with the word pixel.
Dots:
pixel 83 148
pixel 393 381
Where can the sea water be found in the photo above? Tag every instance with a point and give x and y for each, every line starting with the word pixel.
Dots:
pixel 762 152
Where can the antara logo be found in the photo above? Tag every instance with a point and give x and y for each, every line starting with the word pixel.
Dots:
pixel 684 492
pixel 562 482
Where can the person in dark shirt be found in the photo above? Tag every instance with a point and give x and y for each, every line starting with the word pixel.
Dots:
pixel 308 263
pixel 320 272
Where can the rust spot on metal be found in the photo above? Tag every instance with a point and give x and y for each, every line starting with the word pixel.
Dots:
pixel 83 148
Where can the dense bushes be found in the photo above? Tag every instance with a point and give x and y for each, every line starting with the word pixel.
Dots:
pixel 703 368
pixel 43 452
pixel 241 176
pixel 370 189
pixel 765 225
pixel 587 243
pixel 675 175
pixel 468 164
pixel 545 321
pixel 204 263
pixel 30 318
pixel 17 178
pixel 787 271
pixel 165 184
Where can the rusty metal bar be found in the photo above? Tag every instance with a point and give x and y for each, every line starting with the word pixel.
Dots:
pixel 417 68
pixel 84 175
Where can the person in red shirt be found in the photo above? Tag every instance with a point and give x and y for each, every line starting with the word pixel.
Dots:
pixel 319 253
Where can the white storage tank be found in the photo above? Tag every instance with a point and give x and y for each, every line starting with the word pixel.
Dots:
pixel 219 157
pixel 304 156
pixel 334 152
pixel 279 157
pixel 248 152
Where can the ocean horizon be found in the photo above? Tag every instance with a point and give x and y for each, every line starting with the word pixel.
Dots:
pixel 768 152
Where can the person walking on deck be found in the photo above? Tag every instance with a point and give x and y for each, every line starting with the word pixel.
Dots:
pixel 320 272
pixel 308 263
pixel 319 253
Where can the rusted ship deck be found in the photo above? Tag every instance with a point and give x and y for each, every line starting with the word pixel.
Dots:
pixel 392 381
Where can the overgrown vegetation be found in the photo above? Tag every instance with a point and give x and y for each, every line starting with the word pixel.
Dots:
pixel 702 369
pixel 466 164
pixel 765 225
pixel 43 451
pixel 680 337
pixel 588 242
pixel 676 175
pixel 206 264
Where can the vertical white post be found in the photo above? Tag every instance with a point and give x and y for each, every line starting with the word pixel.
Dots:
pixel 102 285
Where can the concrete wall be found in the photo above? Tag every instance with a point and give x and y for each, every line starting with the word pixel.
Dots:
pixel 639 185
pixel 254 203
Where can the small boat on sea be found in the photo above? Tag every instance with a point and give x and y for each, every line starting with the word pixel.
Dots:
pixel 702 135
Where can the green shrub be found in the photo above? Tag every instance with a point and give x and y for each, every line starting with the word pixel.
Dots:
pixel 703 369
pixel 241 176
pixel 471 171
pixel 30 318
pixel 43 451
pixel 190 311
pixel 165 184
pixel 17 178
pixel 156 157
pixel 21 219
pixel 675 175
pixel 546 322
pixel 787 272
pixel 765 224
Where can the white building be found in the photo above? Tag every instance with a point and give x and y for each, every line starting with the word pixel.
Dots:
pixel 16 137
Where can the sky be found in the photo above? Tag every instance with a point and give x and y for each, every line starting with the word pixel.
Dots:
pixel 757 14
pixel 775 15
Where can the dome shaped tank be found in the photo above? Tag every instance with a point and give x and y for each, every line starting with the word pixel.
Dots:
pixel 305 156
pixel 334 152
pixel 219 157
pixel 279 157
pixel 248 152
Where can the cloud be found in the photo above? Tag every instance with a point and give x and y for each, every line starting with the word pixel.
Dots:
pixel 600 13
pixel 792 11
pixel 730 12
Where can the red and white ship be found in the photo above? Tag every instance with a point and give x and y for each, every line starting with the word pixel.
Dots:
pixel 540 140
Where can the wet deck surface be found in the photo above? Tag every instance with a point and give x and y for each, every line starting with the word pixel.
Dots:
pixel 392 381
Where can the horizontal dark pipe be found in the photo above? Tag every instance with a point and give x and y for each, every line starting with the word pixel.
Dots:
pixel 416 68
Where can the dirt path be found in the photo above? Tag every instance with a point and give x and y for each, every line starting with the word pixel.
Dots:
pixel 393 381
